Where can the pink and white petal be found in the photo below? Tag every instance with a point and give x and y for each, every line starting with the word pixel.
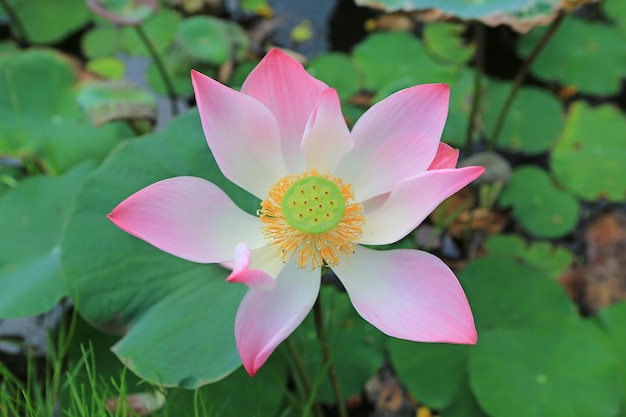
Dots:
pixel 188 217
pixel 326 136
pixel 408 294
pixel 418 113
pixel 409 204
pixel 242 134
pixel 446 157
pixel 266 318
pixel 252 277
pixel 291 93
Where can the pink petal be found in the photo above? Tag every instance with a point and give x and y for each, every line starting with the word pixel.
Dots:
pixel 266 318
pixel 282 84
pixel 326 137
pixel 409 204
pixel 253 278
pixel 188 217
pixel 412 118
pixel 242 134
pixel 408 294
pixel 446 157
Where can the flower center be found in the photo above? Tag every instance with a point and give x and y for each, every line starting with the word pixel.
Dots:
pixel 312 219
pixel 313 205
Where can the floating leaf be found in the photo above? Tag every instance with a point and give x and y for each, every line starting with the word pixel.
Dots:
pixel 562 371
pixel 123 12
pixel 55 131
pixel 336 70
pixel 612 320
pixel 106 101
pixel 444 41
pixel 461 96
pixel 540 207
pixel 616 10
pixel 48 21
pixel 109 67
pixel 587 56
pixel 384 58
pixel 211 40
pixel 533 123
pixel 177 316
pixel 31 218
pixel 551 260
pixel 493 285
pixel 522 15
pixel 101 41
pixel 588 159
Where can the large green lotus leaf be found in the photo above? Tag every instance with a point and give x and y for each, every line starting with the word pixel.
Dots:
pixel 534 121
pixel 589 157
pixel 520 14
pixel 613 320
pixel 562 371
pixel 355 345
pixel 211 40
pixel 40 116
pixel 433 373
pixel 445 42
pixel 551 260
pixel 177 316
pixel 31 218
pixel 386 57
pixel 588 56
pixel 160 29
pixel 101 41
pixel 338 71
pixel 507 293
pixel 48 21
pixel 539 206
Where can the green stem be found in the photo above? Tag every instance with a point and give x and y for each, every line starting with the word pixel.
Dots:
pixel 521 75
pixel 479 66
pixel 169 87
pixel 21 36
pixel 332 375
pixel 302 374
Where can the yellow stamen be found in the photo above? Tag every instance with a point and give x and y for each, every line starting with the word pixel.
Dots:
pixel 302 246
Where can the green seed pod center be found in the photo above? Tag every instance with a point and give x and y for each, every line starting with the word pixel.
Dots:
pixel 313 205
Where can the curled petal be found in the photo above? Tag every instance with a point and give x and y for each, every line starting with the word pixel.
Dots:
pixel 411 119
pixel 408 294
pixel 188 217
pixel 326 137
pixel 409 204
pixel 291 93
pixel 252 277
pixel 242 134
pixel 266 318
pixel 446 157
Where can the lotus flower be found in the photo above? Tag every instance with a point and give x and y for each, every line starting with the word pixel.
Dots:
pixel 325 192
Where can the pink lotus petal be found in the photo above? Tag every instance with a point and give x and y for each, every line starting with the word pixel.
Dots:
pixel 253 278
pixel 409 204
pixel 326 137
pixel 242 134
pixel 446 157
pixel 414 116
pixel 282 84
pixel 266 318
pixel 188 217
pixel 408 294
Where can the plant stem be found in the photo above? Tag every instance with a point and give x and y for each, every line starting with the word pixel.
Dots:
pixel 303 375
pixel 521 75
pixel 21 36
pixel 169 87
pixel 321 334
pixel 479 65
